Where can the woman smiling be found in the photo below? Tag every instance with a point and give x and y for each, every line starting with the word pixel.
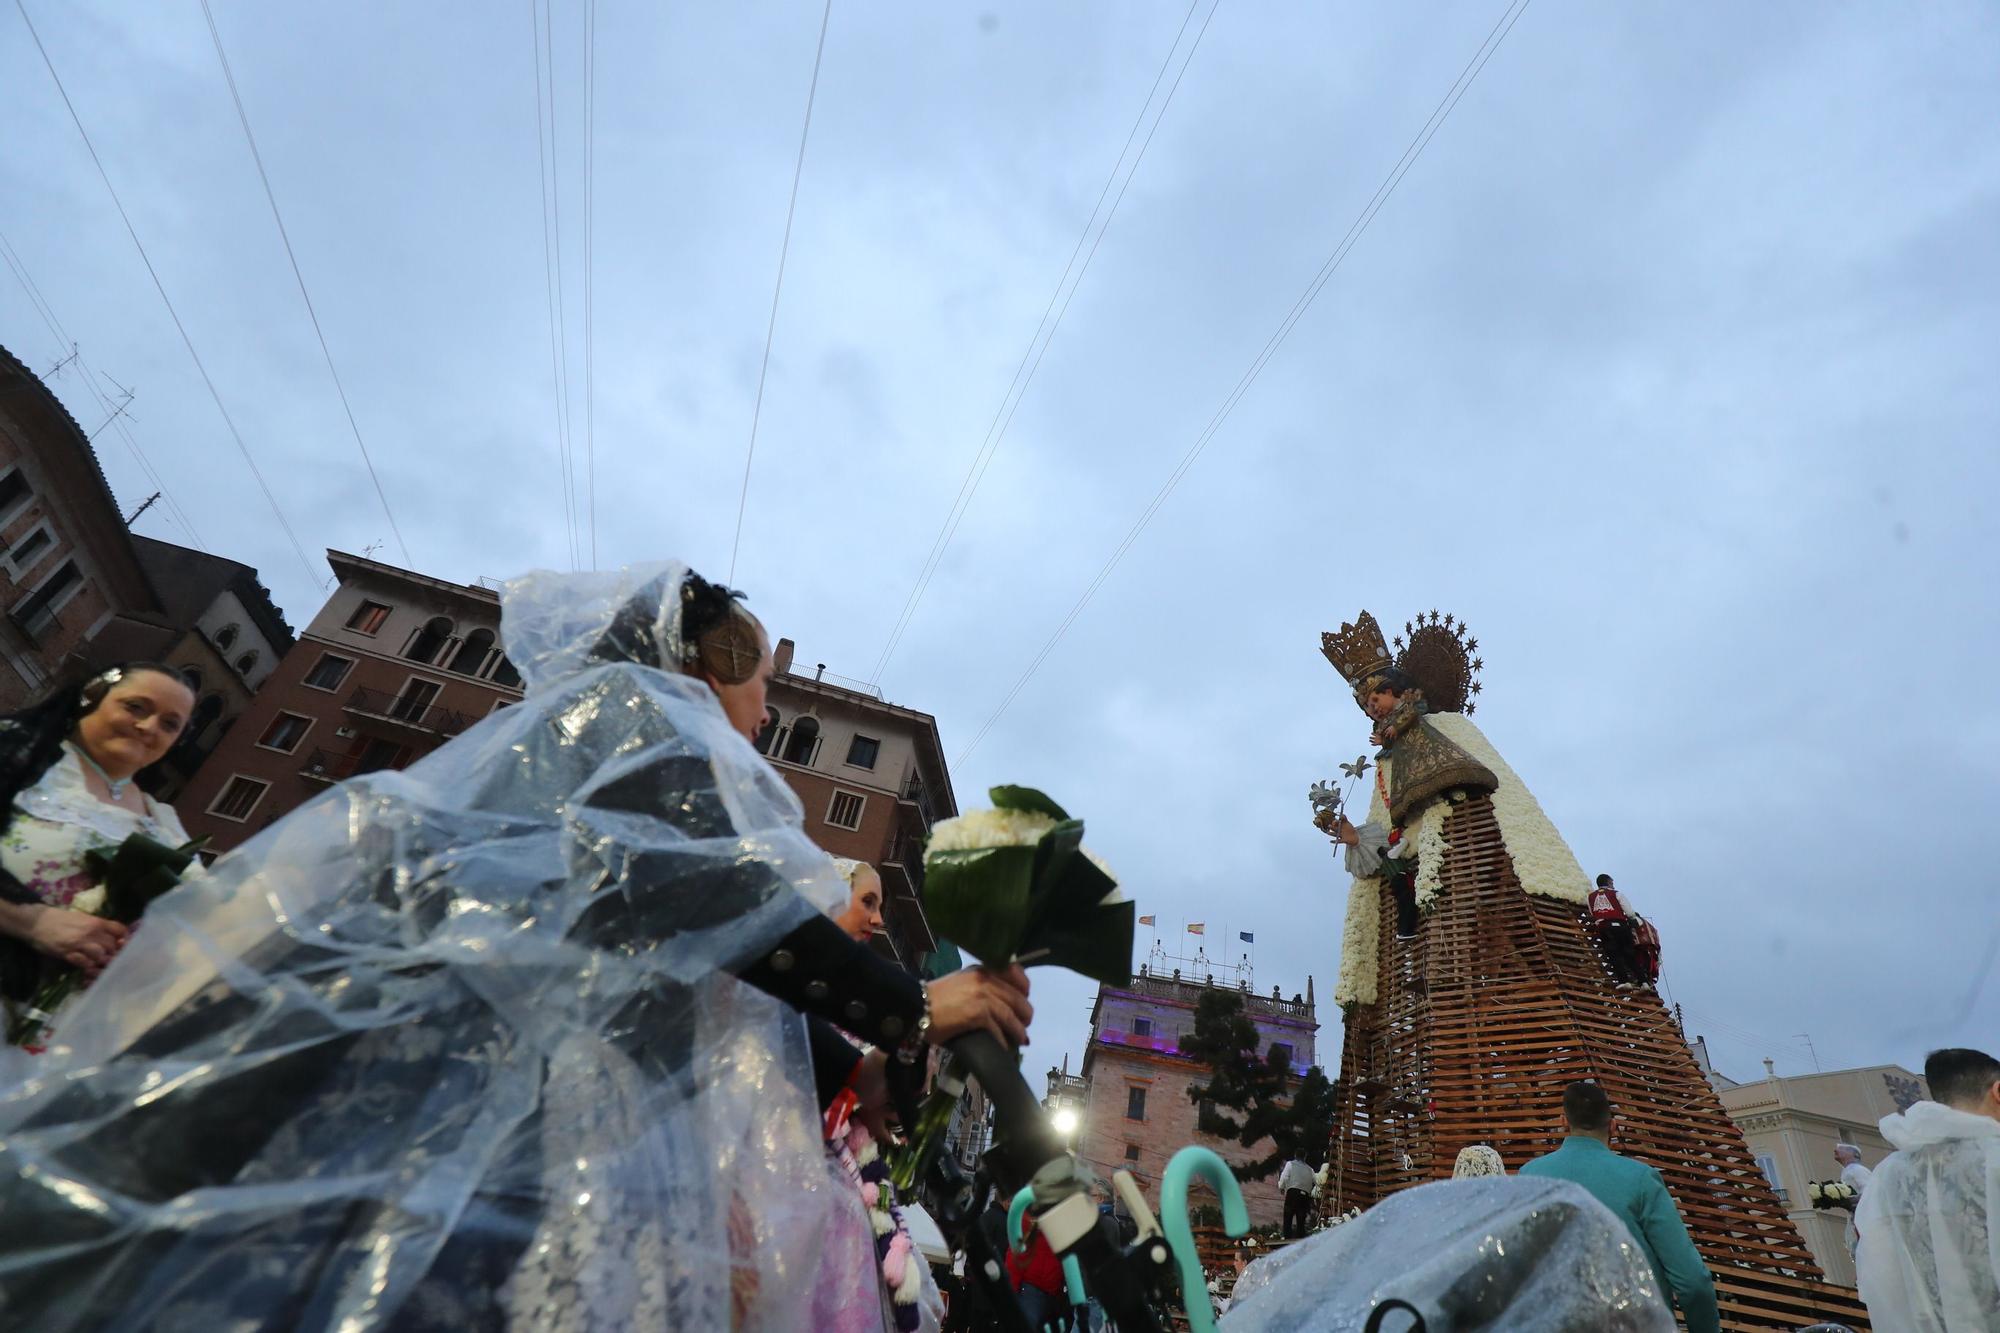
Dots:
pixel 67 766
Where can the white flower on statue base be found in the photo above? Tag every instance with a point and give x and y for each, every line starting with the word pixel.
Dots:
pixel 1431 847
pixel 1542 860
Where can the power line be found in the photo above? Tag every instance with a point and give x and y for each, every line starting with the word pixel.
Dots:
pixel 243 117
pixel 1457 91
pixel 552 269
pixel 1031 358
pixel 589 260
pixel 771 326
pixel 563 311
pixel 41 305
pixel 242 448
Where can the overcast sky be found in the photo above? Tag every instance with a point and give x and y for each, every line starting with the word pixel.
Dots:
pixel 1669 366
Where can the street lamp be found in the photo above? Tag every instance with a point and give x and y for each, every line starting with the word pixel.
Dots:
pixel 1065 1121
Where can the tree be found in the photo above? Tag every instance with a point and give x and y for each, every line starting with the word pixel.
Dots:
pixel 1251 1097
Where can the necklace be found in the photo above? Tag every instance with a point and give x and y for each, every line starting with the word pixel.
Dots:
pixel 116 786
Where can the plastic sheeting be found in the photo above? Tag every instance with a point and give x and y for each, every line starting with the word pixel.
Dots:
pixel 454 1048
pixel 1465 1254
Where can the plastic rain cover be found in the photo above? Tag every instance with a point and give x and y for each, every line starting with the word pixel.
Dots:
pixel 451 1048
pixel 1502 1253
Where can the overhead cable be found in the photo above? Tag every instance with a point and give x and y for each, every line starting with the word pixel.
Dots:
pixel 1452 96
pixel 242 448
pixel 1038 343
pixel 243 117
pixel 551 186
pixel 103 400
pixel 777 290
pixel 589 262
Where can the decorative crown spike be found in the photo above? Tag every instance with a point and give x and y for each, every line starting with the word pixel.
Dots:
pixel 1357 651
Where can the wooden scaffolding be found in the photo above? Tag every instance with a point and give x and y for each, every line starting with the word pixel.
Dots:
pixel 1480 1022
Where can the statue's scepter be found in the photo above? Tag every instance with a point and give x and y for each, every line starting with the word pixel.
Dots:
pixel 1330 806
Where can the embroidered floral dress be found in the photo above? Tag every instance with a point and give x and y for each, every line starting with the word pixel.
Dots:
pixel 59 821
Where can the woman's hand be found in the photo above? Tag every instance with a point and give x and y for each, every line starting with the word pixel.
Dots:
pixel 982 997
pixel 79 939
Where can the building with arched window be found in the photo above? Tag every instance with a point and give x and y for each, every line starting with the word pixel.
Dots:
pixel 394 665
pixel 873 778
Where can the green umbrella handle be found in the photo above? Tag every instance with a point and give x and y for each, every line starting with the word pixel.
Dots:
pixel 1017 1241
pixel 1188 1163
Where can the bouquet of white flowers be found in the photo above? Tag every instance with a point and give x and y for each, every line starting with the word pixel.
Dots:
pixel 1832 1194
pixel 1015 884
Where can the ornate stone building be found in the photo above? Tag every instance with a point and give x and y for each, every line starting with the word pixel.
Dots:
pixel 1136 1112
pixel 1792 1124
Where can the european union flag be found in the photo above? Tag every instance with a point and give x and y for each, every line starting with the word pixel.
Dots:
pixel 1247 936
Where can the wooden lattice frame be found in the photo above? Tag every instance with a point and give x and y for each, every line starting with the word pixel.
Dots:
pixel 1478 1025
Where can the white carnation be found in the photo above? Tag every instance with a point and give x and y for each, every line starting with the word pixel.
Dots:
pixel 1430 843
pixel 1542 860
pixel 979 830
pixel 1361 937
pixel 91 900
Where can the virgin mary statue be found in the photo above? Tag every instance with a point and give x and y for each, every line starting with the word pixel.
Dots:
pixel 1471 989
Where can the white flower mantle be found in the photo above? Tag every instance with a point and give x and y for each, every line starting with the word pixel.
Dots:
pixel 1543 861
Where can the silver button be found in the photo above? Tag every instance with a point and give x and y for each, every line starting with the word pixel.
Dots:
pixel 892 1029
pixel 782 961
pixel 815 990
pixel 856 1011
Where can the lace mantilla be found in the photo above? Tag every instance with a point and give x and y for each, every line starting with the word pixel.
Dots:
pixel 63 797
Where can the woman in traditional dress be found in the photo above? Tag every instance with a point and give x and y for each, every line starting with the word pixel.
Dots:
pixel 67 766
pixel 467 1046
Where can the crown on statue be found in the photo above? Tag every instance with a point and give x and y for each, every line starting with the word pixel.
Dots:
pixel 1437 653
pixel 1358 651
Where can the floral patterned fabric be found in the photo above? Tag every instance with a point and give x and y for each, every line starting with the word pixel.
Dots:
pixel 59 821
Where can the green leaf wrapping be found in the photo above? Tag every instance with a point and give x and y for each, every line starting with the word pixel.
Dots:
pixel 979 899
pixel 1025 798
pixel 136 872
pixel 1043 904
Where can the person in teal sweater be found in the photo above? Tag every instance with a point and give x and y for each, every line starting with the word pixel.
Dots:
pixel 1638 1195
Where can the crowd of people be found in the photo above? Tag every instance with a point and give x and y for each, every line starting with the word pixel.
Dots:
pixel 569 1025
pixel 566 1025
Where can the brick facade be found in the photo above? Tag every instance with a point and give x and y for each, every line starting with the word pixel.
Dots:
pixel 419 672
pixel 872 778
pixel 1135 1048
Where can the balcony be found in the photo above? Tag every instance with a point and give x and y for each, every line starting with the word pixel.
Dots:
pixel 918 799
pixel 326 766
pixel 407 712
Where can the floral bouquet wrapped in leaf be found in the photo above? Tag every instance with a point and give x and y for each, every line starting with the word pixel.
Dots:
pixel 137 871
pixel 1015 884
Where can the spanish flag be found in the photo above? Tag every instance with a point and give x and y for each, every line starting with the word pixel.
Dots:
pixel 1196 928
pixel 1146 920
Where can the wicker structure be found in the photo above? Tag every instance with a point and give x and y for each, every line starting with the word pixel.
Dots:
pixel 1478 1025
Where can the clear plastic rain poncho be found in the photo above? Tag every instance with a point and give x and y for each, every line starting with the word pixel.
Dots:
pixel 1929 1260
pixel 1489 1253
pixel 454 1048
